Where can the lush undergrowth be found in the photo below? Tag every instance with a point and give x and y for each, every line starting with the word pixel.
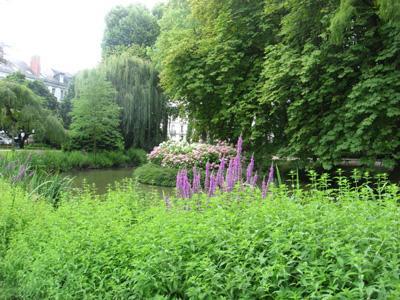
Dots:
pixel 156 175
pixel 60 161
pixel 320 243
pixel 38 183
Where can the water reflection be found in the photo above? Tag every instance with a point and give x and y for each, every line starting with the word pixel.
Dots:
pixel 105 178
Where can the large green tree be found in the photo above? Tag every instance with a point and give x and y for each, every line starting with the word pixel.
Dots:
pixel 313 78
pixel 127 26
pixel 210 55
pixel 21 110
pixel 143 114
pixel 95 115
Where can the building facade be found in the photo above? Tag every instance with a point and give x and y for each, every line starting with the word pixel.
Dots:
pixel 56 81
pixel 177 129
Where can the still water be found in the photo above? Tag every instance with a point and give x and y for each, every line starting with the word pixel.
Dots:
pixel 105 178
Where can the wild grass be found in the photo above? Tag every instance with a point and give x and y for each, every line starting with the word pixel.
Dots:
pixel 38 183
pixel 332 240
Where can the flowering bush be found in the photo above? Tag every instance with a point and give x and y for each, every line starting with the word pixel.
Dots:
pixel 185 155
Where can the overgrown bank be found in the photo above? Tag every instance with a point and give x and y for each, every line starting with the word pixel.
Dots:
pixel 59 161
pixel 294 244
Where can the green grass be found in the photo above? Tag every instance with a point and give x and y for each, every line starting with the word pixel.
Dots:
pixel 322 243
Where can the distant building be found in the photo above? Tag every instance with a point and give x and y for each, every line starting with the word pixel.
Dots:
pixel 177 129
pixel 55 81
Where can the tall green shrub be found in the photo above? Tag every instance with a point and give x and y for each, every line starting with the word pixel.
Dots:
pixel 95 115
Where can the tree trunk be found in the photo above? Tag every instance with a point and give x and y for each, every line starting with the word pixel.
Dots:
pixel 21 141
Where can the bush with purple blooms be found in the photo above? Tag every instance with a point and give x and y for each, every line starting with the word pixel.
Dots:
pixel 184 155
pixel 223 178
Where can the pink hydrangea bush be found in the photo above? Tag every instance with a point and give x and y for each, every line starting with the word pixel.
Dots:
pixel 184 155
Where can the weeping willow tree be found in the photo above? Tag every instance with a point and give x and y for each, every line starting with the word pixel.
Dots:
pixel 144 116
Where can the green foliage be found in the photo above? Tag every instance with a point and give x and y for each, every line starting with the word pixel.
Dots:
pixel 54 161
pixel 51 133
pixel 50 102
pixel 142 102
pixel 37 182
pixel 210 57
pixel 293 245
pixel 27 106
pixel 313 79
pixel 156 175
pixel 136 157
pixel 127 26
pixel 95 115
pixel 66 105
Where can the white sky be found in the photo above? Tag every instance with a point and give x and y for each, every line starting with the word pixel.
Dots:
pixel 66 34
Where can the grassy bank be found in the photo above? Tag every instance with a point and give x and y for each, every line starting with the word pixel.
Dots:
pixel 321 243
pixel 59 161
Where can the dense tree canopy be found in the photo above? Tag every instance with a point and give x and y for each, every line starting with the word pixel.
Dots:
pixel 21 110
pixel 95 115
pixel 313 79
pixel 127 26
pixel 50 101
pixel 143 104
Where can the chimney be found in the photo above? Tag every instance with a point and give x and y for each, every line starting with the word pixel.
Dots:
pixel 35 65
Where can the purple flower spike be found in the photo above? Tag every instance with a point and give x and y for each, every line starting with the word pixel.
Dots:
pixel 265 186
pixel 264 189
pixel 249 172
pixel 196 185
pixel 207 179
pixel 239 146
pixel 254 180
pixel 184 189
pixel 213 185
pixel 230 176
pixel 220 174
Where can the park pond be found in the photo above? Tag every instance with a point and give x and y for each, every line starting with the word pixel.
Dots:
pixel 103 179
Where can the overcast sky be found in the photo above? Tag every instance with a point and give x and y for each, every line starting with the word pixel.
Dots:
pixel 66 34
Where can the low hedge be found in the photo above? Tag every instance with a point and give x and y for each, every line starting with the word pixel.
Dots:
pixel 156 175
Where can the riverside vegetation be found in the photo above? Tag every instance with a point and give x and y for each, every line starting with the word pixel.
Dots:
pixel 39 172
pixel 337 238
pixel 321 242
pixel 60 161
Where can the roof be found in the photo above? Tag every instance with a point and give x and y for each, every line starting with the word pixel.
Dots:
pixel 12 66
